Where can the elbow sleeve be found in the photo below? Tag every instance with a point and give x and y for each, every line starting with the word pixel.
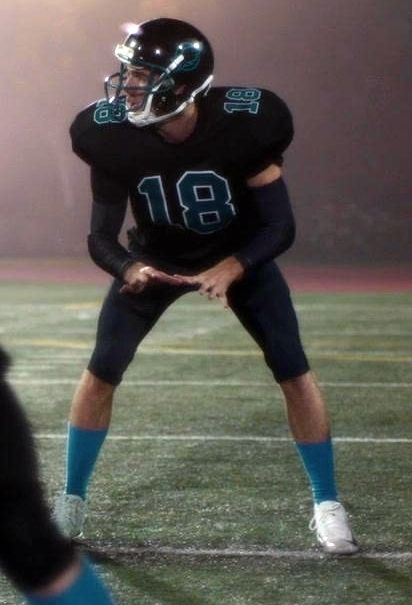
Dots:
pixel 103 244
pixel 274 230
pixel 108 255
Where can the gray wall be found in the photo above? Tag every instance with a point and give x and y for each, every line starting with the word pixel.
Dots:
pixel 344 67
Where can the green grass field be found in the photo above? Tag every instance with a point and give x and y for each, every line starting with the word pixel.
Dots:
pixel 199 497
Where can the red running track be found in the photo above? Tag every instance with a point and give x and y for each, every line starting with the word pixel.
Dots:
pixel 300 278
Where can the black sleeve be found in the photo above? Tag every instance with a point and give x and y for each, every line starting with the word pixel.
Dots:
pixel 108 212
pixel 274 229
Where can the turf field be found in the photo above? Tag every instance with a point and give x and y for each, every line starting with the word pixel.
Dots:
pixel 199 498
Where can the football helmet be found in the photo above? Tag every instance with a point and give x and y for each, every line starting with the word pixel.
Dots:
pixel 164 65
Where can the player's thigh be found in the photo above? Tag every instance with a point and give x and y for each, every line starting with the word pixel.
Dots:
pixel 124 320
pixel 263 304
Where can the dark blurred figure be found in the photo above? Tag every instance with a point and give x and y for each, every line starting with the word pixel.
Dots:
pixel 42 564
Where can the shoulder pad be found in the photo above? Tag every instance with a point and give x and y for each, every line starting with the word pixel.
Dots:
pixel 89 127
pixel 264 121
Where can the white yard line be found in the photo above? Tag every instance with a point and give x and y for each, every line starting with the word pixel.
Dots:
pixel 22 381
pixel 270 553
pixel 377 356
pixel 231 438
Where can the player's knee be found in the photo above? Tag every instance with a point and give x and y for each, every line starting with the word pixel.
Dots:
pixel 93 387
pixel 106 376
pixel 287 366
pixel 108 366
pixel 298 382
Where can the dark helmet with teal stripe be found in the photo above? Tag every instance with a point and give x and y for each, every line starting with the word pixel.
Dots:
pixel 176 62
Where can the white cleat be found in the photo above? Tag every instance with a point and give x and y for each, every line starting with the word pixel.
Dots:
pixel 69 515
pixel 333 530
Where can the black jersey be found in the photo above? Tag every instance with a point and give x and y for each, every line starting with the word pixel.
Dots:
pixel 189 200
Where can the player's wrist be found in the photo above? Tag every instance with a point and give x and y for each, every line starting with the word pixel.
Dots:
pixel 243 261
pixel 132 268
pixel 236 266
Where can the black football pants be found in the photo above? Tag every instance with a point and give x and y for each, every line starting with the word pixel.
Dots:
pixel 261 301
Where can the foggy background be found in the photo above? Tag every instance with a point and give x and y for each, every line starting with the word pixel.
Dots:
pixel 343 66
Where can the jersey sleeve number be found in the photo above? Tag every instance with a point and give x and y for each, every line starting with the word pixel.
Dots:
pixel 242 99
pixel 204 198
pixel 110 113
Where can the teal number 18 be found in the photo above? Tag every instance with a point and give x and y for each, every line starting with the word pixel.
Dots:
pixel 204 197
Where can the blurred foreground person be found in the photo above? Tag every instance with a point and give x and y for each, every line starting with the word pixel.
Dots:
pixel 202 169
pixel 41 563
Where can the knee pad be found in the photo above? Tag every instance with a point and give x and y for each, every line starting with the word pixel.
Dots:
pixel 284 367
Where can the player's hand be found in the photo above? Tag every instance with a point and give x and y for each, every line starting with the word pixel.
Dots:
pixel 216 281
pixel 138 276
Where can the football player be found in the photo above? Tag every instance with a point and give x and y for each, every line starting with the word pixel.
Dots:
pixel 42 563
pixel 202 169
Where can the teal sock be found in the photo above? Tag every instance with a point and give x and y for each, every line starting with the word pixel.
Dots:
pixel 87 589
pixel 83 447
pixel 317 459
